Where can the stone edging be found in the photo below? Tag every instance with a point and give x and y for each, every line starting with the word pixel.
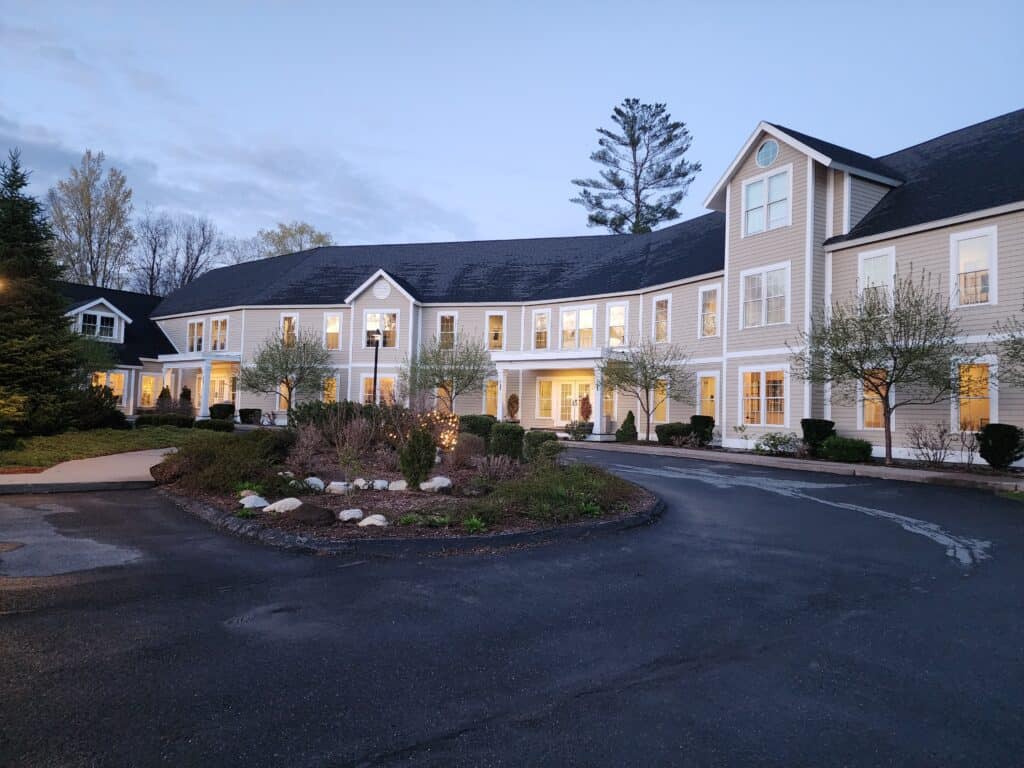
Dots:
pixel 401 547
pixel 110 485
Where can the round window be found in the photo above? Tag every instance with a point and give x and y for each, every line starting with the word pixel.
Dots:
pixel 767 153
pixel 381 289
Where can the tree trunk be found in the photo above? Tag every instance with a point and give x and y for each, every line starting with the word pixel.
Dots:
pixel 888 433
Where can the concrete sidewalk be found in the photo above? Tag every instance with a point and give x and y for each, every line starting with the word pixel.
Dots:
pixel 118 471
pixel 931 476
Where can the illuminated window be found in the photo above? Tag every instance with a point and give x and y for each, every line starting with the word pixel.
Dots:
pixel 446 332
pixel 874 415
pixel 496 332
pixel 661 402
pixel 973 257
pixel 708 388
pixel 540 330
pixel 385 390
pixel 149 389
pixel 491 398
pixel 332 332
pixel 386 325
pixel 975 398
pixel 289 329
pixel 544 399
pixel 195 336
pixel 330 394
pixel 708 312
pixel 764 398
pixel 616 325
pixel 661 319
pixel 116 383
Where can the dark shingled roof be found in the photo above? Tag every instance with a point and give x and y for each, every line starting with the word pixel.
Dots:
pixel 978 167
pixel 493 271
pixel 142 337
pixel 842 155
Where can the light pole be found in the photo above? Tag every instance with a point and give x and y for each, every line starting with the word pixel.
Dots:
pixel 376 352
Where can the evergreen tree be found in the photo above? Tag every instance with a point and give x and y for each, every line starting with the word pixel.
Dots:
pixel 40 356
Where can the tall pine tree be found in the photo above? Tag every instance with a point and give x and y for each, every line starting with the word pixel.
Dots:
pixel 41 358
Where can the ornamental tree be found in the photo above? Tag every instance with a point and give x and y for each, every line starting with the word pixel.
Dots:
pixel 290 366
pixel 447 369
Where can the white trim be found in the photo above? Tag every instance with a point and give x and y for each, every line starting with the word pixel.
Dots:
pixel 718 310
pixel 363 378
pixel 533 330
pixel 483 396
pixel 710 374
pixel 398 325
pixel 830 202
pixel 992 361
pixel 562 310
pixel 189 348
pixel 340 323
pixel 763 271
pixel 227 332
pixel 608 324
pixel 455 327
pixel 380 273
pixel 963 218
pixel 351 347
pixel 765 352
pixel 809 272
pixel 863 256
pixel 955 238
pixel 654 318
pixel 522 330
pixel 93 303
pixel 503 314
pixel 847 189
pixel 763 177
pixel 723 319
pixel 536 402
pixel 827 389
pixel 763 369
pixel 117 329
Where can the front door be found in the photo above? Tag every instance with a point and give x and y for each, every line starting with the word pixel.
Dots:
pixel 570 394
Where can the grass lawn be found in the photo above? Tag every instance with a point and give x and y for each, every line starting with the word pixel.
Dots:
pixel 45 451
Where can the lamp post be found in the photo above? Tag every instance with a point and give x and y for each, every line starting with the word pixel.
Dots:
pixel 375 335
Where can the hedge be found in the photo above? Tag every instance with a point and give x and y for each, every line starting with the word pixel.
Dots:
pixel 249 415
pixel 1000 444
pixel 478 424
pixel 703 428
pixel 667 433
pixel 222 410
pixel 847 449
pixel 164 420
pixel 534 439
pixel 627 432
pixel 506 440
pixel 816 432
pixel 216 425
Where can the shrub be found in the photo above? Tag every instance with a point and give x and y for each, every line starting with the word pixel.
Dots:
pixel 586 409
pixel 548 453
pixel 480 425
pixel 578 430
pixel 497 469
pixel 249 415
pixel 627 432
pixel 416 458
pixel 219 463
pixel 778 444
pixel 466 450
pixel 1000 444
pixel 930 444
pixel 222 411
pixel 96 408
pixel 507 440
pixel 304 455
pixel 474 525
pixel 816 432
pixel 216 425
pixel 850 449
pixel 513 406
pixel 185 398
pixel 554 493
pixel 165 420
pixel 164 401
pixel 703 429
pixel 667 433
pixel 534 439
pixel 354 443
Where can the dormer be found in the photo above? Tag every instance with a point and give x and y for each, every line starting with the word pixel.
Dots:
pixel 100 320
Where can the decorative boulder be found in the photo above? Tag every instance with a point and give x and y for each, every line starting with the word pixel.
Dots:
pixel 380 485
pixel 310 514
pixel 350 515
pixel 286 473
pixel 315 483
pixel 253 502
pixel 284 505
pixel 339 487
pixel 360 483
pixel 436 484
pixel 378 521
pixel 247 492
pixel 398 485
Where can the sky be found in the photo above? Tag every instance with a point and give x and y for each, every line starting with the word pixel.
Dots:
pixel 404 122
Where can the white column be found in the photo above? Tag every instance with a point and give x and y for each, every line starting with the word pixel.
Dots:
pixel 598 407
pixel 204 396
pixel 501 395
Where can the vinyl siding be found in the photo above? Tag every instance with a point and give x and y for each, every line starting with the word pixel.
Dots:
pixel 864 195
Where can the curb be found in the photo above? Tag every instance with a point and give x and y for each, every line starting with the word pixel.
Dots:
pixel 251 529
pixel 119 485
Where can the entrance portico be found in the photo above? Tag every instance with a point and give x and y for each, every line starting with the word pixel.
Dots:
pixel 211 376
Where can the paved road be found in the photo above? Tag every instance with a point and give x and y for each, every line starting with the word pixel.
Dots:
pixel 771 618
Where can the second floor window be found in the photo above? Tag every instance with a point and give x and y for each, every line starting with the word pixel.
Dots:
pixel 973 255
pixel 195 336
pixel 382 325
pixel 661 319
pixel 446 332
pixel 289 329
pixel 495 331
pixel 766 203
pixel 100 326
pixel 617 325
pixel 764 297
pixel 332 332
pixel 219 334
pixel 709 312
pixel 540 330
pixel 876 273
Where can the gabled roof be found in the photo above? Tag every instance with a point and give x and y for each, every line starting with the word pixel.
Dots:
pixel 142 337
pixel 81 306
pixel 493 271
pixel 972 169
pixel 380 273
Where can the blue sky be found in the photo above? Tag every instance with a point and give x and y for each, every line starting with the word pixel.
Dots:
pixel 395 122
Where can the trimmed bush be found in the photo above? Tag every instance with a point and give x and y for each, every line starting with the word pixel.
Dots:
pixel 216 425
pixel 416 458
pixel 534 439
pixel 164 401
pixel 667 432
pixel 222 411
pixel 816 432
pixel 548 452
pixel 479 425
pixel 468 448
pixel 778 444
pixel 249 415
pixel 507 440
pixel 1000 444
pixel 185 398
pixel 97 409
pixel 847 449
pixel 627 432
pixel 703 428
pixel 578 430
pixel 165 420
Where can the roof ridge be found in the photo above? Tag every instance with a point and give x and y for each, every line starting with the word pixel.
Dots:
pixel 105 288
pixel 950 133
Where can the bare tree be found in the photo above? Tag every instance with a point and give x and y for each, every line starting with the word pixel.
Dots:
pixel 652 373
pixel 896 347
pixel 288 366
pixel 447 369
pixel 238 250
pixel 90 213
pixel 172 252
pixel 1008 338
pixel 200 248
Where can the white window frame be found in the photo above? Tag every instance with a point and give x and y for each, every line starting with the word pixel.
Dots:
pixel 718 310
pixel 654 409
pixel 337 388
pixel 536 408
pixel 860 410
pixel 993 270
pixel 455 326
pixel 227 331
pixel 280 323
pixel 865 255
pixel 654 318
pixel 718 392
pixel 764 369
pixel 117 337
pixel 365 377
pixel 992 361
pixel 328 316
pixel 497 396
pixel 576 309
pixel 156 392
pixel 786 169
pixel 533 330
pixel 398 326
pixel 201 336
pixel 504 330
pixel 608 323
pixel 763 271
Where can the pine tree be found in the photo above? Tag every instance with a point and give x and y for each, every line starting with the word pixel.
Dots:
pixel 40 356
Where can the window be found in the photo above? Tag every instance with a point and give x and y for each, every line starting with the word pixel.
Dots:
pixel 764 397
pixel 708 325
pixel 607 407
pixel 766 203
pixel 330 393
pixel 617 325
pixel 332 332
pixel 219 334
pixel 222 389
pixel 540 329
pixel 577 328
pixel 873 416
pixel 116 383
pixel 289 329
pixel 100 326
pixel 569 317
pixel 385 390
pixel 496 332
pixel 382 325
pixel 975 399
pixel 662 306
pixel 446 331
pixel 877 271
pixel 764 296
pixel 767 153
pixel 106 327
pixel 973 266
pixel 149 389
pixel 443 397
pixel 195 336
pixel 491 398
pixel 660 401
pixel 707 391
pixel 586 325
pixel 89 324
pixel 544 399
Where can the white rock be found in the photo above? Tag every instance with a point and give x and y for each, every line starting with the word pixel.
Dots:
pixel 360 483
pixel 349 515
pixel 339 487
pixel 246 492
pixel 284 505
pixel 376 520
pixel 315 483
pixel 253 502
pixel 286 473
pixel 380 485
pixel 435 484
pixel 398 485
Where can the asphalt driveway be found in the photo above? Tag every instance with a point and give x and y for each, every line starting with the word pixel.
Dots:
pixel 770 618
